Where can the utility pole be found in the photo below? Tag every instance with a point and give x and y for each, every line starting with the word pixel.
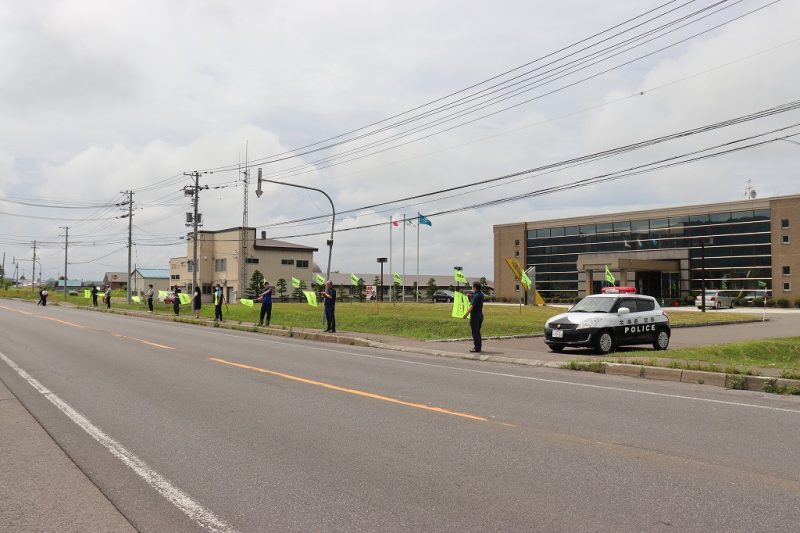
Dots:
pixel 245 222
pixel 33 279
pixel 3 272
pixel 194 191
pixel 66 248
pixel 129 216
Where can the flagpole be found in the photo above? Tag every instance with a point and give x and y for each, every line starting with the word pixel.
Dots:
pixel 417 291
pixel 390 255
pixel 405 223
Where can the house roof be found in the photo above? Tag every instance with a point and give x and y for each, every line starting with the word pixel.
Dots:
pixel 272 243
pixel 153 273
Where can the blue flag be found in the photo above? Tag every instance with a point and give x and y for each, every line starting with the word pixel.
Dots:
pixel 423 220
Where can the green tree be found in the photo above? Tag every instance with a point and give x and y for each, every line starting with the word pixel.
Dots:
pixel 431 288
pixel 484 284
pixel 360 287
pixel 256 283
pixel 398 290
pixel 298 292
pixel 282 289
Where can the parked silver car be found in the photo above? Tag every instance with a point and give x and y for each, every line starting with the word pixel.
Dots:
pixel 717 299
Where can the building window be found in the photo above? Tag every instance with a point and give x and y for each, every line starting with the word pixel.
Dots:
pixel 191 266
pixel 175 276
pixel 287 261
pixel 516 242
pixel 516 253
pixel 784 239
pixel 220 265
pixel 787 286
pixel 787 271
pixel 784 223
pixel 302 263
pixel 251 260
pixel 516 287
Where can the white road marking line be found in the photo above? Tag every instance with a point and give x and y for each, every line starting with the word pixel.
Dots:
pixel 531 378
pixel 191 508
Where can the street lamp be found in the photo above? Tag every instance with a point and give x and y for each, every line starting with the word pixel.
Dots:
pixel 259 192
pixel 702 241
pixel 381 260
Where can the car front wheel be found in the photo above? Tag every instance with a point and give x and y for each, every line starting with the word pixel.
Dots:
pixel 661 340
pixel 605 343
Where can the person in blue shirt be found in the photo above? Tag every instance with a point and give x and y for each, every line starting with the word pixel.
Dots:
pixel 330 306
pixel 475 313
pixel 266 304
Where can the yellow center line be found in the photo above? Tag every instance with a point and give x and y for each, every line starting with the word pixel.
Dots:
pixel 15 310
pixel 355 392
pixel 61 322
pixel 143 341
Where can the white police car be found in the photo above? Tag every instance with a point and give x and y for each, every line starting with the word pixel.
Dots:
pixel 605 321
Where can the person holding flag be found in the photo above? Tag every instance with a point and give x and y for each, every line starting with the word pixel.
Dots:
pixel 197 301
pixel 330 306
pixel 475 314
pixel 266 304
pixel 176 301
pixel 150 294
pixel 219 299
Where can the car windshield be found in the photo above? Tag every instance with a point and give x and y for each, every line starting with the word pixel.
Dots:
pixel 593 305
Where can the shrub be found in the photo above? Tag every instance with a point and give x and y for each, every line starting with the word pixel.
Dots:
pixel 770 302
pixel 783 302
pixel 797 303
pixel 758 302
pixel 735 381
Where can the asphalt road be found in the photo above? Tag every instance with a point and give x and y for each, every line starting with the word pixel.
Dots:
pixel 185 428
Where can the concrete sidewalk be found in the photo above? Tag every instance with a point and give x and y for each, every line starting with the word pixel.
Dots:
pixel 41 489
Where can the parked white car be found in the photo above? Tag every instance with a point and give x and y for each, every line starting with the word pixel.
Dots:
pixel 717 299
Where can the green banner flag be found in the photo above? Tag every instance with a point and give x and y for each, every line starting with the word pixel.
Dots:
pixel 246 301
pixel 609 276
pixel 87 293
pixel 460 277
pixel 354 279
pixel 762 284
pixel 397 279
pixel 460 304
pixel 311 298
pixel 162 295
pixel 184 298
pixel 319 279
pixel 526 281
pixel 295 283
pixel 136 299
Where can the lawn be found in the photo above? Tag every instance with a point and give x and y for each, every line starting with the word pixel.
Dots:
pixel 782 354
pixel 418 321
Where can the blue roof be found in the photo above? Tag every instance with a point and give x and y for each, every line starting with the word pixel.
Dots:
pixel 154 273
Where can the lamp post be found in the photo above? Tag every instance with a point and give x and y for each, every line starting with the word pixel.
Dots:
pixel 259 192
pixel 702 241
pixel 381 260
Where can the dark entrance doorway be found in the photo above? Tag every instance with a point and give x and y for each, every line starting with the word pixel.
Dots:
pixel 649 283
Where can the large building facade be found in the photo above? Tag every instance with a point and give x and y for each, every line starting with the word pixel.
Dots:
pixel 665 253
pixel 220 258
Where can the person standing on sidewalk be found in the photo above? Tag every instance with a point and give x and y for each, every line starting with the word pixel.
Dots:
pixel 176 302
pixel 150 294
pixel 219 299
pixel 475 313
pixel 94 295
pixel 330 306
pixel 266 304
pixel 196 301
pixel 107 296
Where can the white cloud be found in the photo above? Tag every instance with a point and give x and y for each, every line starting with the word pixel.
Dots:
pixel 98 98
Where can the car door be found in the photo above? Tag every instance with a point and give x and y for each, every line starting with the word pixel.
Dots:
pixel 633 328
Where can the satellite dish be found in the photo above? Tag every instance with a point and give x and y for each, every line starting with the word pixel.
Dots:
pixel 753 194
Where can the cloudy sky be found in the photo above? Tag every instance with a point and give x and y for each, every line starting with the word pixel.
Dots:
pixel 102 97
